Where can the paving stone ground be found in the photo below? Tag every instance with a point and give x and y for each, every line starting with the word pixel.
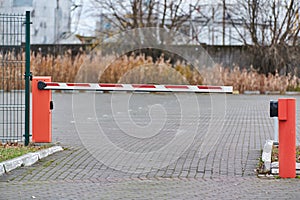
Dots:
pixel 154 146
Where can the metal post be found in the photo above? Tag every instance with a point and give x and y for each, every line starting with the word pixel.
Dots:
pixel 27 77
pixel 287 137
pixel 275 130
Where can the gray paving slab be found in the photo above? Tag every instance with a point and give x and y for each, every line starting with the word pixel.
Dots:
pixel 162 188
pixel 154 146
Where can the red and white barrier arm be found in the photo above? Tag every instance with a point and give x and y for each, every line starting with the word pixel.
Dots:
pixel 134 87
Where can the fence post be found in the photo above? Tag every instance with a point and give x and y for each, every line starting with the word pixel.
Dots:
pixel 275 119
pixel 27 77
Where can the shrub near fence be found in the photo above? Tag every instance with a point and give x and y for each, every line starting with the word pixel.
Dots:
pixel 141 69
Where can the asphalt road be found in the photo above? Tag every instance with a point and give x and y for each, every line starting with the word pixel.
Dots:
pixel 154 146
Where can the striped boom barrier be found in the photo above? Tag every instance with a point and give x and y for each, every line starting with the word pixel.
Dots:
pixel 42 104
pixel 134 87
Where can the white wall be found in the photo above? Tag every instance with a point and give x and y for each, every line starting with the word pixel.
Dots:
pixel 45 29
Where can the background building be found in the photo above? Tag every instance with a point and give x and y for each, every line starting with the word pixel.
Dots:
pixel 51 19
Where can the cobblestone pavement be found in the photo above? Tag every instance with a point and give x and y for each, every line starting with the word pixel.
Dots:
pixel 206 146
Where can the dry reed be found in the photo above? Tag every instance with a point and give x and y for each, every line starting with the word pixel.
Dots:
pixel 137 69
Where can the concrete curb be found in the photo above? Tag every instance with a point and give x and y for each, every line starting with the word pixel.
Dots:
pixel 2 171
pixel 27 159
pixel 292 93
pixel 254 92
pixel 275 168
pixel 272 92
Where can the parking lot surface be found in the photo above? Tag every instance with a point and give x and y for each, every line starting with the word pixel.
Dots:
pixel 154 146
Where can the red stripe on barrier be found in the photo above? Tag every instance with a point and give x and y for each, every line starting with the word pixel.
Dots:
pixel 78 84
pixel 110 85
pixel 176 87
pixel 52 84
pixel 209 87
pixel 133 87
pixel 143 86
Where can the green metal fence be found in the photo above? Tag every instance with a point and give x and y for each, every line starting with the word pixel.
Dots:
pixel 14 77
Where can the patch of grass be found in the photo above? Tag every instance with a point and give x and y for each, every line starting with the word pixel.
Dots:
pixel 12 150
pixel 275 154
pixel 278 177
pixel 48 163
pixel 66 148
pixel 260 166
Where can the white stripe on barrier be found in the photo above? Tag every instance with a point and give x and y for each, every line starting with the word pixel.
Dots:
pixel 137 87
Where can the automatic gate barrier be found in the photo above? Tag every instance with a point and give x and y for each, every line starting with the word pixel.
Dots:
pixel 41 112
pixel 285 110
pixel 42 104
pixel 42 85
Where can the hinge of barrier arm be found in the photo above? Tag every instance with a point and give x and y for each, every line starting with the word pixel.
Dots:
pixel 41 85
pixel 26 23
pixel 28 75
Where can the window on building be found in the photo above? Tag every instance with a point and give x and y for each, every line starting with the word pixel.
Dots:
pixel 22 3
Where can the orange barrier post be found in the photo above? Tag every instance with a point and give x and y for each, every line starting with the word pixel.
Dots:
pixel 287 137
pixel 41 112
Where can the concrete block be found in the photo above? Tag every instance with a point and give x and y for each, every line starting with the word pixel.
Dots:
pixel 55 149
pixel 267 153
pixel 12 164
pixel 2 171
pixel 251 92
pixel 274 165
pixel 46 152
pixel 43 153
pixel 30 159
pixel 275 171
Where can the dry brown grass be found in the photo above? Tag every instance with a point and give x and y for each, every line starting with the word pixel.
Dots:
pixel 139 69
pixel 11 71
pixel 242 80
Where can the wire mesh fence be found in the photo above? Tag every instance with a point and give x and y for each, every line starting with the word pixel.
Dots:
pixel 12 84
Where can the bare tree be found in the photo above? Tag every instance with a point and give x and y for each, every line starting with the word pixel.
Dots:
pixel 272 32
pixel 121 15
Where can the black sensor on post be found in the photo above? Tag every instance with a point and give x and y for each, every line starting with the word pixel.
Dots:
pixel 273 108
